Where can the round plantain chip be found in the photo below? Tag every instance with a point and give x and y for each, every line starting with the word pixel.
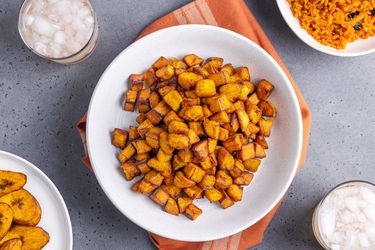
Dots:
pixel 13 244
pixel 11 181
pixel 26 209
pixel 33 238
pixel 6 217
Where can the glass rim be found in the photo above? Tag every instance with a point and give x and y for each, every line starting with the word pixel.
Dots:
pixel 315 219
pixel 20 25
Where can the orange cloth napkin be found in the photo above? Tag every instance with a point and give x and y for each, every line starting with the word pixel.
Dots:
pixel 233 15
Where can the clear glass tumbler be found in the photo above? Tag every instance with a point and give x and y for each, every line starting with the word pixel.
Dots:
pixel 76 57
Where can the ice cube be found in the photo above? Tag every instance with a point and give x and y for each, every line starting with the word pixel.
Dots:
pixel 346 217
pixel 351 204
pixel 43 26
pixel 84 11
pixel 45 40
pixel 327 221
pixel 368 195
pixel 337 237
pixel 369 211
pixel 55 50
pixel 40 48
pixel 29 19
pixel 67 19
pixel 69 31
pixel 77 24
pixel 59 37
pixel 62 7
pixel 37 7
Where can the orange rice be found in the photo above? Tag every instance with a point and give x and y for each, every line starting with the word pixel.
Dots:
pixel 336 22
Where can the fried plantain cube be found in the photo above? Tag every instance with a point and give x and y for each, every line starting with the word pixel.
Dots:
pixel 220 78
pixel 193 212
pixel 141 146
pixel 193 113
pixel 156 115
pixel 187 80
pixel 235 192
pixel 154 177
pixel 201 71
pixel 225 159
pixel 164 144
pixel 223 180
pixel 252 165
pixel 239 105
pixel 193 137
pixel 206 111
pixel 144 100
pixel 178 127
pixel 207 182
pixel 244 73
pixel 178 141
pixel 130 100
pixel 163 157
pixel 212 143
pixel 183 202
pixel 267 108
pixel 188 102
pixel 244 179
pixel 264 89
pixel 181 181
pixel 127 153
pixel 142 166
pixel 205 88
pixel 226 201
pixel 259 151
pixel 154 99
pixel 228 68
pixel 209 163
pixel 194 172
pixel 171 189
pixel 200 150
pixel 212 129
pixel 179 66
pixel 165 73
pixel 197 127
pixel 192 60
pixel 223 134
pixel 159 196
pixel 141 118
pixel 164 167
pixel 149 78
pixel 160 63
pixel 171 207
pixel 186 155
pixel 177 163
pixel 253 111
pixel 243 119
pixel 173 99
pixel 152 137
pixel 265 127
pixel 220 103
pixel 120 137
pixel 144 187
pixel 193 192
pixel 247 152
pixel 136 82
pixel 130 170
pixel 234 142
pixel 221 117
pixel 171 116
pixel 213 195
pixel 261 141
pixel 235 78
pixel 237 169
pixel 246 89
pixel 133 133
pixel 231 90
pixel 254 99
pixel 144 127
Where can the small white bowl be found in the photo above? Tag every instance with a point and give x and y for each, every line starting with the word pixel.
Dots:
pixel 357 48
pixel 274 175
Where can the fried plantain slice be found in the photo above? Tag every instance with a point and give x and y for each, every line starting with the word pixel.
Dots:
pixel 13 244
pixel 6 218
pixel 26 209
pixel 33 238
pixel 11 181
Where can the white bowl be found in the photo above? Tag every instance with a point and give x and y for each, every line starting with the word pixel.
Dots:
pixel 357 48
pixel 55 217
pixel 105 113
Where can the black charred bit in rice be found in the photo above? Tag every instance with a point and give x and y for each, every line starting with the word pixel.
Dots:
pixel 353 14
pixel 373 12
pixel 357 26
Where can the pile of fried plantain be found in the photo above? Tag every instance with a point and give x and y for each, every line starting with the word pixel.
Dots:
pixel 202 132
pixel 20 212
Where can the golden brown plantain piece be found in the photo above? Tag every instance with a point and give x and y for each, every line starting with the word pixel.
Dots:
pixel 33 238
pixel 13 244
pixel 11 181
pixel 6 218
pixel 26 209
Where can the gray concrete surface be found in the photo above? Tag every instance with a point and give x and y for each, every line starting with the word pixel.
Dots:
pixel 40 103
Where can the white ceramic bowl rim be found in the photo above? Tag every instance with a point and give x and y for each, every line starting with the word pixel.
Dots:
pixel 185 28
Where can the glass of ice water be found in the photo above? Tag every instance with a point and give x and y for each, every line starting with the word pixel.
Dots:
pixel 63 31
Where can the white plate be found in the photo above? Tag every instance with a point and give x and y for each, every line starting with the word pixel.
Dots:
pixel 357 48
pixel 105 113
pixel 55 217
